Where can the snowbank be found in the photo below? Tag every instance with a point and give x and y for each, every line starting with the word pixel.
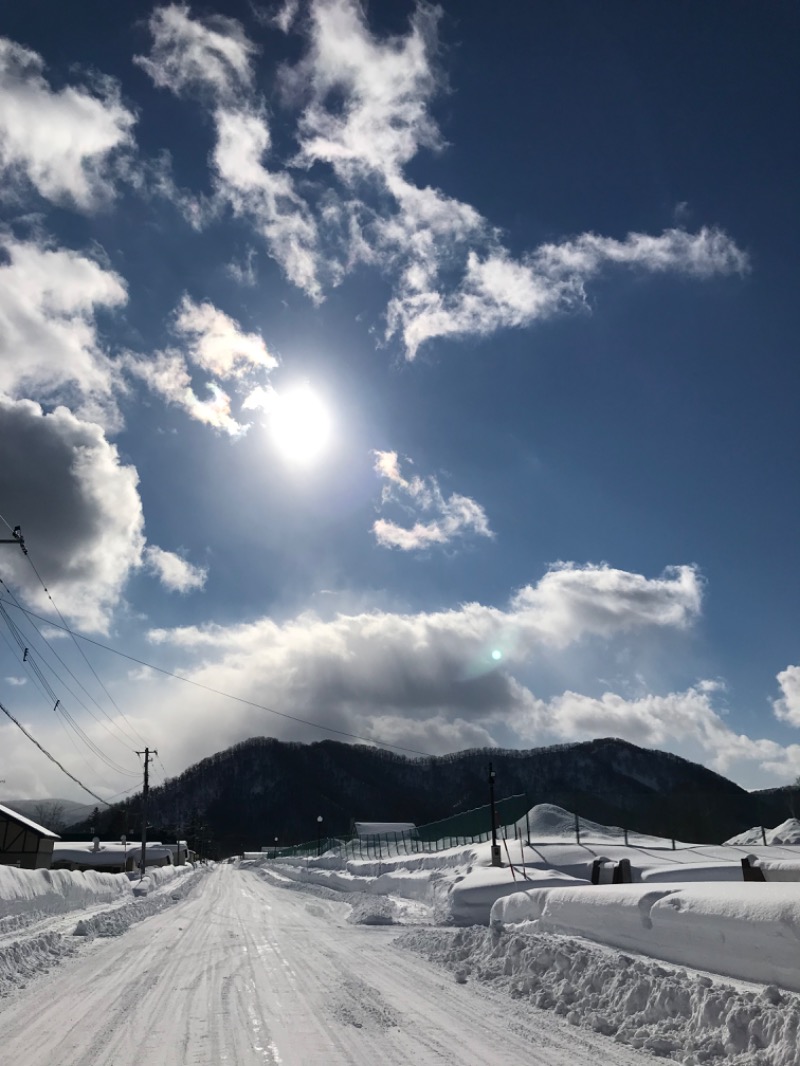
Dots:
pixel 689 1018
pixel 473 896
pixel 748 931
pixel 787 832
pixel 41 896
pixel 56 891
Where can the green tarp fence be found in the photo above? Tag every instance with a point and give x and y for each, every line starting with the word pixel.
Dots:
pixel 466 827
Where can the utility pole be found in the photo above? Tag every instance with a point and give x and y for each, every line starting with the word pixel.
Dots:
pixel 147 753
pixel 16 538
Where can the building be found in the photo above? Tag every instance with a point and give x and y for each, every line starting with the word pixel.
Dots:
pixel 109 856
pixel 23 842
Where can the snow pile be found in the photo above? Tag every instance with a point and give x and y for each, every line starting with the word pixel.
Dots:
pixel 56 891
pixel 546 821
pixel 117 921
pixel 373 910
pixel 686 1017
pixel 748 931
pixel 42 896
pixel 23 959
pixel 787 832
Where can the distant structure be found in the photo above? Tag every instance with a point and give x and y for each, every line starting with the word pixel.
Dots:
pixel 383 830
pixel 24 843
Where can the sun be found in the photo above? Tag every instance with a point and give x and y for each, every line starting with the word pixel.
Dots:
pixel 300 424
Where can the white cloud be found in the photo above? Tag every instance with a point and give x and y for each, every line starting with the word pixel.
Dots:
pixel 602 600
pixel 267 197
pixel 366 115
pixel 190 55
pixel 449 517
pixel 64 143
pixel 385 85
pixel 497 291
pixel 16 681
pixel 787 707
pixel 285 17
pixel 49 348
pixel 173 571
pixel 214 343
pixel 213 59
pixel 79 509
pixel 684 720
pixel 429 678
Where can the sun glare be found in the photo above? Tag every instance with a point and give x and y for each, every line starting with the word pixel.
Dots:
pixel 300 424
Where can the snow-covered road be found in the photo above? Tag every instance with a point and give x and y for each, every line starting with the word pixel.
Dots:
pixel 243 973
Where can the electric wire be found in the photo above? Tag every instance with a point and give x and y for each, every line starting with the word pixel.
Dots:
pixel 26 552
pixel 229 695
pixel 54 652
pixel 29 658
pixel 52 758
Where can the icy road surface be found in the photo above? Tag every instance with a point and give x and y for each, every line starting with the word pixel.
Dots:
pixel 244 973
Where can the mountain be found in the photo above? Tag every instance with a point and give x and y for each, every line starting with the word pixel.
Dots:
pixel 774 805
pixel 53 814
pixel 242 798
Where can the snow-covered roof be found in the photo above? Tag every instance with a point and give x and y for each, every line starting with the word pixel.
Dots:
pixel 40 829
pixel 107 853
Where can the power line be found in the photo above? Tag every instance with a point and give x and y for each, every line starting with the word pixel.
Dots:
pixel 227 695
pixel 17 534
pixel 52 758
pixel 28 658
pixel 126 742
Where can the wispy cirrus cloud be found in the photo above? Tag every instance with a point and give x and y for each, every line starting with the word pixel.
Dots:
pixel 447 517
pixel 214 343
pixel 366 114
pixel 211 59
pixel 189 55
pixel 63 143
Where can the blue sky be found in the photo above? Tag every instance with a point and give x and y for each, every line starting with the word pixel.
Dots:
pixel 422 373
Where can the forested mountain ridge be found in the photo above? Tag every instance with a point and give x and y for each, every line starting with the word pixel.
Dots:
pixel 243 797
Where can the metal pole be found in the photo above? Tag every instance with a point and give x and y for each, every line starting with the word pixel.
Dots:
pixel 496 860
pixel 145 791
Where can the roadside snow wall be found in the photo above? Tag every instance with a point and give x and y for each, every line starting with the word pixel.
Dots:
pixel 749 931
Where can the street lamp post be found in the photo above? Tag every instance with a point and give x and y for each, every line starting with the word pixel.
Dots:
pixel 496 860
pixel 124 841
pixel 275 849
pixel 319 834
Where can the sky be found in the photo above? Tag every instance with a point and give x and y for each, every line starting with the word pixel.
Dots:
pixel 418 374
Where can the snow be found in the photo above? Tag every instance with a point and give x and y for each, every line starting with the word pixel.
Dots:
pixel 748 931
pixel 648 963
pixel 787 832
pixel 686 1017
